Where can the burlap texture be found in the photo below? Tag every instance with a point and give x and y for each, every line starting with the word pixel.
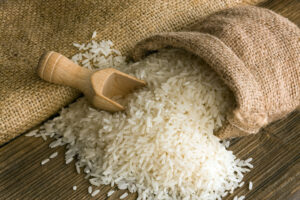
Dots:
pixel 30 27
pixel 255 51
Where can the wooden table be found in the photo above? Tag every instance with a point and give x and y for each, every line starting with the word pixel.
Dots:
pixel 275 150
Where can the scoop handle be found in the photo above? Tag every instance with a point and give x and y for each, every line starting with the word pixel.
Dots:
pixel 56 68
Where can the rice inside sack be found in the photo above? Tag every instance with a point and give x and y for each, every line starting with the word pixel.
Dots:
pixel 162 146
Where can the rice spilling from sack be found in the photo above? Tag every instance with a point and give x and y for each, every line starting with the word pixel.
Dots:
pixel 162 146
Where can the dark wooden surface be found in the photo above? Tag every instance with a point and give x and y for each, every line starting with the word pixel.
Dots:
pixel 275 150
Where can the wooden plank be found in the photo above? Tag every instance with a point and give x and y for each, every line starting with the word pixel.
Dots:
pixel 275 150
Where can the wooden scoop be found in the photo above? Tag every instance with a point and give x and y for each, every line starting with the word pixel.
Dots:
pixel 98 86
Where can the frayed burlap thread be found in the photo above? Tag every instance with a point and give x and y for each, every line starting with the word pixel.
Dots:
pixel 255 51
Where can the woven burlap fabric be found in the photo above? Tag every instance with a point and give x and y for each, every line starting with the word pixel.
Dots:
pixel 255 51
pixel 30 27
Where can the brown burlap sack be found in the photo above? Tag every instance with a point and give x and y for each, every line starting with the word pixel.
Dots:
pixel 256 53
pixel 30 27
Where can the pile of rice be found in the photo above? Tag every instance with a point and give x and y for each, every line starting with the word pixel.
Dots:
pixel 162 146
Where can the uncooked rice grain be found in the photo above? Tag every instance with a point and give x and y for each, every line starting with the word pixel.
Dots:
pixel 94 182
pixel 250 185
pixel 123 196
pixel 52 135
pixel 53 155
pixel 87 176
pixel 95 193
pixel 90 189
pixel 77 168
pixel 249 165
pixel 44 137
pixel 32 133
pixel 55 143
pixel 162 146
pixel 45 161
pixel 241 198
pixel 110 193
pixel 68 161
pixel 241 184
pixel 86 170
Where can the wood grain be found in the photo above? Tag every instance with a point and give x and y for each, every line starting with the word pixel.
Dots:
pixel 275 150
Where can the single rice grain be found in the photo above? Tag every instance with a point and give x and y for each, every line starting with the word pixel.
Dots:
pixel 123 196
pixel 250 185
pixel 45 161
pixel 90 189
pixel 241 198
pixel 110 193
pixel 53 155
pixel 95 193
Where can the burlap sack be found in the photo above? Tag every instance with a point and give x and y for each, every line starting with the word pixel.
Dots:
pixel 30 27
pixel 257 54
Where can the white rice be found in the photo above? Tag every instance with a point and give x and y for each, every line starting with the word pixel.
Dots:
pixel 77 166
pixel 94 182
pixel 68 161
pixel 44 137
pixel 226 143
pixel 90 189
pixel 32 133
pixel 241 198
pixel 110 193
pixel 249 165
pixel 123 196
pixel 53 155
pixel 241 184
pixel 250 185
pixel 95 193
pixel 74 187
pixel 56 143
pixel 87 176
pixel 45 161
pixel 86 170
pixel 162 146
